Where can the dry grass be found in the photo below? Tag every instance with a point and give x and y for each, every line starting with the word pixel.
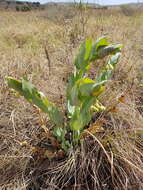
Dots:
pixel 113 160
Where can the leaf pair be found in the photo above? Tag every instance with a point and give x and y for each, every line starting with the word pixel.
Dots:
pixel 32 95
pixel 99 50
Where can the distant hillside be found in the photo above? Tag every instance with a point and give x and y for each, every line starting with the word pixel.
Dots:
pixel 53 6
pixel 136 5
pixel 19 5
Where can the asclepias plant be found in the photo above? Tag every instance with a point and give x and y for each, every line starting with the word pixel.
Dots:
pixel 83 93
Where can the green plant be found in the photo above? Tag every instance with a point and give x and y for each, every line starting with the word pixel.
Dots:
pixel 83 93
pixel 25 7
pixel 17 8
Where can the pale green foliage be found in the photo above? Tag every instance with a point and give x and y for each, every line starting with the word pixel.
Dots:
pixel 82 92
pixel 37 98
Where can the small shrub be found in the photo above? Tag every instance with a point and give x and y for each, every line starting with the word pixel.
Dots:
pixel 25 8
pixel 83 93
pixel 17 8
pixel 37 4
pixel 19 2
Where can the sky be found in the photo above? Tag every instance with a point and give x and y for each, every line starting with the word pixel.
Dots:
pixel 103 2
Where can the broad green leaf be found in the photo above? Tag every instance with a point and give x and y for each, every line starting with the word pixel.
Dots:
pixel 76 121
pixel 98 88
pixel 86 89
pixel 74 95
pixel 85 86
pixel 70 108
pixel 37 98
pixel 99 44
pixel 86 111
pixel 15 84
pixel 28 89
pixel 114 59
pixel 109 50
pixel 84 81
pixel 88 47
pixel 82 115
pixel 72 81
pixel 82 88
pixel 77 124
pixel 82 59
pixel 102 48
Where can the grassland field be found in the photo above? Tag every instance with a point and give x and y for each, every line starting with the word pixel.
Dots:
pixel 42 46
